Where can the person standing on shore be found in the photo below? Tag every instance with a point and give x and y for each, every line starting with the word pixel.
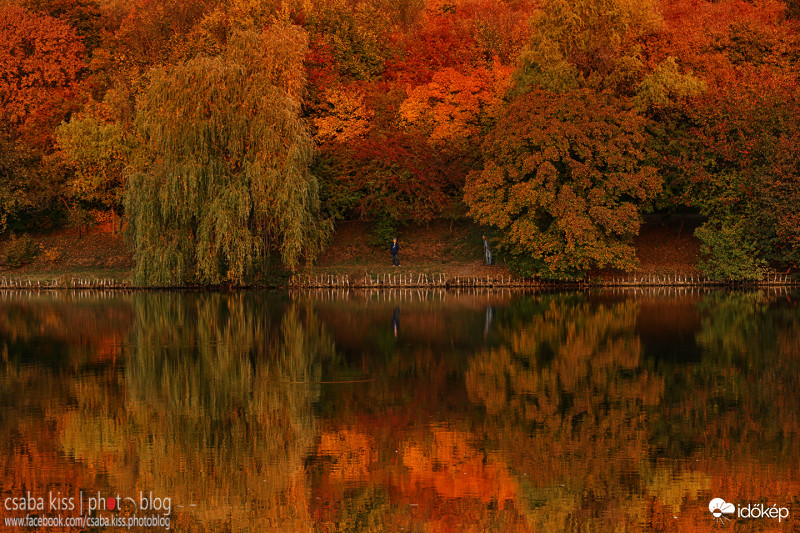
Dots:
pixel 487 252
pixel 395 249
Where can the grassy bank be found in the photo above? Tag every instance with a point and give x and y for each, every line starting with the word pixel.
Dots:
pixel 454 249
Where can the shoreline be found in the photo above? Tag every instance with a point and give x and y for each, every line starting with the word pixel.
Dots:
pixel 380 281
pixel 435 255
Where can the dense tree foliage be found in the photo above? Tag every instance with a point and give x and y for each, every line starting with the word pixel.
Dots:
pixel 745 174
pixel 401 96
pixel 96 152
pixel 594 43
pixel 563 177
pixel 40 59
pixel 225 178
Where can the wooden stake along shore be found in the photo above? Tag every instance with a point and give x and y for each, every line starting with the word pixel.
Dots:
pixel 380 281
pixel 424 280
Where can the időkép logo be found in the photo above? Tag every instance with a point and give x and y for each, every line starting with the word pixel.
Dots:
pixel 724 511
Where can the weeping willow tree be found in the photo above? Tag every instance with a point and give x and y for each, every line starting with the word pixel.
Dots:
pixel 222 176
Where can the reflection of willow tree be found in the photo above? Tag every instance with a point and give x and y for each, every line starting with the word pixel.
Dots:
pixel 564 397
pixel 218 411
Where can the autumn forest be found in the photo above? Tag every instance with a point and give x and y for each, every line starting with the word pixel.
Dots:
pixel 226 137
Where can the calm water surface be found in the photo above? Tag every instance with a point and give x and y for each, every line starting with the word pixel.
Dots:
pixel 412 411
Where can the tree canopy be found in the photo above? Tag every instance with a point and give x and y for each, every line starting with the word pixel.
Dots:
pixel 563 178
pixel 223 160
pixel 389 104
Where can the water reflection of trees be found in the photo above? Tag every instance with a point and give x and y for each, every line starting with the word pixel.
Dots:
pixel 62 330
pixel 218 410
pixel 431 477
pixel 737 409
pixel 561 420
pixel 746 386
pixel 580 428
pixel 49 345
pixel 565 396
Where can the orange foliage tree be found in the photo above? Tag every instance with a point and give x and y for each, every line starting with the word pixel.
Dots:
pixel 563 177
pixel 456 107
pixel 40 60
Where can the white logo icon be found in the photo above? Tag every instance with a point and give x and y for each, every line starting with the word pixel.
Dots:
pixel 720 509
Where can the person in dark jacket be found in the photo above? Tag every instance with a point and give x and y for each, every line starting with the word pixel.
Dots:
pixel 395 249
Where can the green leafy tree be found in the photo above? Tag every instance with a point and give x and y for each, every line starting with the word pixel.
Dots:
pixel 97 154
pixel 587 43
pixel 729 251
pixel 353 35
pixel 223 165
pixel 742 173
pixel 666 96
pixel 19 175
pixel 665 86
pixel 563 177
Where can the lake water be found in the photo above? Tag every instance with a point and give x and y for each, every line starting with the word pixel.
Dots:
pixel 403 411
